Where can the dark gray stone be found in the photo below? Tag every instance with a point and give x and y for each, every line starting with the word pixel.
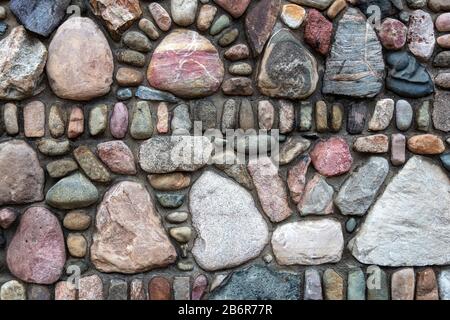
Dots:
pixel 259 283
pixel 170 200
pixel 442 60
pixel 40 16
pixel 407 77
pixel 441 111
pixel 355 66
pixel 204 112
pixel 117 290
pixel 445 159
pixel 37 292
pixel 403 115
pixel 356 118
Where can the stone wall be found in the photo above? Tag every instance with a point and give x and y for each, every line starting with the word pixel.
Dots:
pixel 98 97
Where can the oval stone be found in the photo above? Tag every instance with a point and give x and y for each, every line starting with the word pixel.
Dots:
pixel 37 253
pixel 186 64
pixel 443 22
pixel 80 63
pixel 288 69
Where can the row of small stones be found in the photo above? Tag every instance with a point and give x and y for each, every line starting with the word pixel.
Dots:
pixel 372 285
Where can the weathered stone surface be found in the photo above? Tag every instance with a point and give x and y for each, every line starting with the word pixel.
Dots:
pixel 75 128
pixel 259 23
pixel 169 182
pixel 159 288
pixel 403 284
pixel 149 28
pixel 444 284
pixel 160 15
pixel 356 118
pixel 76 245
pixel 293 15
pixel 321 115
pixel 238 86
pixel 313 285
pixel 57 119
pixel 240 69
pixel 292 148
pixel 118 124
pixel 441 112
pixel 137 290
pixel 117 290
pixel 395 232
pixel 356 285
pixel 90 288
pixel 258 283
pixel 41 17
pixel 219 207
pixel 141 126
pixel 137 41
pixel 34 119
pixel 10 119
pixel 98 119
pixel 234 7
pixel 426 144
pixel 318 32
pixel 220 24
pixel 442 59
pixel 77 220
pixel 170 200
pixel 403 115
pixel 377 143
pixel 22 63
pixel 423 118
pixel 286 113
pixel 181 288
pixel 90 164
pixel 407 77
pixel 333 285
pixel 332 157
pixel 287 69
pixel 22 177
pixel 183 11
pixel 117 15
pixel 75 191
pixel 61 168
pixel 206 16
pixel 228 37
pixel 199 287
pixel 426 288
pixel 129 237
pixel 198 76
pixel 117 156
pixel 442 80
pixel 337 117
pixel 392 34
pixel 131 57
pixel 317 197
pixel 311 242
pixel 13 290
pixel 80 63
pixel 237 52
pixel 421 41
pixel 382 115
pixel 52 147
pixel 378 288
pixel 355 66
pixel 7 217
pixel 129 77
pixel 165 154
pixel 318 4
pixel 359 191
pixel 268 182
pixel 36 253
pixel 439 5
pixel 204 113
pixel 65 291
pixel 297 178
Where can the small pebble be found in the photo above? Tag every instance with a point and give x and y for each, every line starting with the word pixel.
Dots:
pixel 148 28
pixel 77 245
pixel 98 119
pixel 403 115
pixel 77 220
pixel 170 200
pixel 61 168
pixel 241 69
pixel 350 225
pixel 228 37
pixel 124 94
pixel 177 217
pixel 181 234
pixel 220 24
pixel 356 285
pixel 137 41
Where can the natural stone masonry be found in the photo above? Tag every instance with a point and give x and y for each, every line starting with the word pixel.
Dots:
pixel 119 160
pixel 397 233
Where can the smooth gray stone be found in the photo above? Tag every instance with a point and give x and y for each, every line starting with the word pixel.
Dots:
pixel 147 93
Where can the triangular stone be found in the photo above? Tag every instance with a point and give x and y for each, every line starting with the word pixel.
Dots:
pixel 409 225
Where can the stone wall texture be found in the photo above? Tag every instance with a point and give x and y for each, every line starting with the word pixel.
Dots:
pixel 107 193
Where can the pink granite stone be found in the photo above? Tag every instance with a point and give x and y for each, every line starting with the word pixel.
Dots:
pixel 186 64
pixel 270 188
pixel 119 121
pixel 37 252
pixel 392 34
pixel 117 156
pixel 162 124
pixel 332 157
pixel 90 288
pixel 65 291
pixel 75 127
pixel 443 22
pixel 160 15
pixel 318 32
pixel 234 7
pixel 296 179
pixel 34 119
pixel 199 287
pixel 237 52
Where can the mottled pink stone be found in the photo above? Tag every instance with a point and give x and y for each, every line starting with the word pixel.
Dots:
pixel 234 7
pixel 117 156
pixel 296 179
pixel 199 287
pixel 37 252
pixel 332 157
pixel 119 121
pixel 392 34
pixel 90 288
pixel 7 218
pixel 162 124
pixel 186 64
pixel 318 32
pixel 160 15
pixel 65 291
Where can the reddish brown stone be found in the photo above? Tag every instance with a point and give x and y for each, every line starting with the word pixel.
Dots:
pixel 186 64
pixel 259 23
pixel 117 15
pixel 426 287
pixel 297 178
pixel 117 156
pixel 426 144
pixel 199 287
pixel 34 119
pixel 37 253
pixel 76 123
pixel 238 87
pixel 159 288
pixel 332 157
pixel 318 31
pixel 237 52
pixel 235 7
